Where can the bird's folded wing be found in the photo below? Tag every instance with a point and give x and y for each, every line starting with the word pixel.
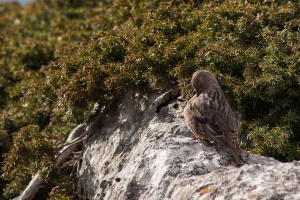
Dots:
pixel 207 118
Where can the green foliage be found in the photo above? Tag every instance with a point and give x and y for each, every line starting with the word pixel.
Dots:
pixel 63 189
pixel 32 152
pixel 272 141
pixel 58 58
pixel 28 43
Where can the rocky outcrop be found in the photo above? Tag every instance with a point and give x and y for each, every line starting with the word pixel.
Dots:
pixel 143 150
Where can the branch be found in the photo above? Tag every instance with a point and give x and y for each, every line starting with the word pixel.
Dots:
pixel 31 189
pixel 74 138
pixel 79 134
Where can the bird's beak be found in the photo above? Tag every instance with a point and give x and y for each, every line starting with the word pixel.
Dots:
pixel 198 93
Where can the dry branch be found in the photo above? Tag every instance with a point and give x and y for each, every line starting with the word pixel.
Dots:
pixel 78 134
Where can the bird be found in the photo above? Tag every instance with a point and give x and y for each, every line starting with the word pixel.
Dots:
pixel 209 116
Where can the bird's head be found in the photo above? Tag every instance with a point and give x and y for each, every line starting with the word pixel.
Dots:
pixel 202 79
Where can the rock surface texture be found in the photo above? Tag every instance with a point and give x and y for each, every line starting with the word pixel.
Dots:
pixel 143 150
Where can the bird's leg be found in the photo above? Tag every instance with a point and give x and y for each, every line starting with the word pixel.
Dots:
pixel 206 141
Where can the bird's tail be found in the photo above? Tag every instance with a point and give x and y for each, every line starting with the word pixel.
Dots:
pixel 236 152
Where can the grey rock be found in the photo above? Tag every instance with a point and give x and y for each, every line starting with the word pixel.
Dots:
pixel 143 150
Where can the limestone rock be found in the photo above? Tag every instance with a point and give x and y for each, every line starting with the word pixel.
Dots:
pixel 143 150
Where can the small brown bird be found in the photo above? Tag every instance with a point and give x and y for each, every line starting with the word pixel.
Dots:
pixel 208 115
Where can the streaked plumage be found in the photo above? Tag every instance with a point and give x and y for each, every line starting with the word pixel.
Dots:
pixel 208 115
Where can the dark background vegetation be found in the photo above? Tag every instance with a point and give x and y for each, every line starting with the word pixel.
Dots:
pixel 59 57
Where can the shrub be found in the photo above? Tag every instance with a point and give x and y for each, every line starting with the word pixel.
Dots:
pixel 87 52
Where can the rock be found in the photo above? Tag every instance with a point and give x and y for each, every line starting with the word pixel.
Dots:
pixel 143 150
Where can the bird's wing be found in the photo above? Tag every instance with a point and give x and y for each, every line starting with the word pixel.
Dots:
pixel 212 120
pixel 218 122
